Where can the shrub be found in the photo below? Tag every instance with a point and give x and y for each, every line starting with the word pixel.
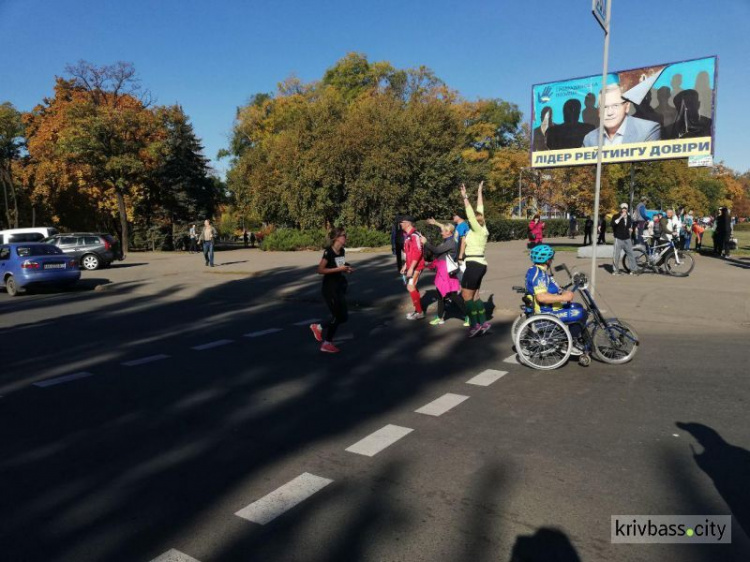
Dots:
pixel 360 237
pixel 288 239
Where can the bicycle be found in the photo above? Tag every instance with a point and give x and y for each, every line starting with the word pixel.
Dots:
pixel 544 341
pixel 661 258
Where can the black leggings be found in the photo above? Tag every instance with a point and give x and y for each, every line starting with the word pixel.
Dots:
pixel 335 298
pixel 455 298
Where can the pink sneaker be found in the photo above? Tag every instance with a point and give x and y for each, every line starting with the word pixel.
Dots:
pixel 475 330
pixel 317 331
pixel 486 327
pixel 328 347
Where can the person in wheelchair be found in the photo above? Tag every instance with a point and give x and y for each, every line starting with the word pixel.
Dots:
pixel 547 297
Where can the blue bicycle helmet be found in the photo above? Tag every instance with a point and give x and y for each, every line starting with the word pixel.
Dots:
pixel 542 253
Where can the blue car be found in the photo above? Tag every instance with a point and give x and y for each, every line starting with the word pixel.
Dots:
pixel 32 264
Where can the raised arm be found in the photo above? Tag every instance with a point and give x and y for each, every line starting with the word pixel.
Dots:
pixel 470 216
pixel 480 199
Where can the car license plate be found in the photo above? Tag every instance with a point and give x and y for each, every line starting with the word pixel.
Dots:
pixel 54 266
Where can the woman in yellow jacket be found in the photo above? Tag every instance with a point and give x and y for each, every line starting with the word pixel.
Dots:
pixel 476 264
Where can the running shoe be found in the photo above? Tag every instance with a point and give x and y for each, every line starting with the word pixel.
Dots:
pixel 486 327
pixel 466 322
pixel 415 315
pixel 475 331
pixel 437 321
pixel 317 331
pixel 328 347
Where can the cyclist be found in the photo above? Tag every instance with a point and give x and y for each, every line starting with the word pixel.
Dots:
pixel 549 298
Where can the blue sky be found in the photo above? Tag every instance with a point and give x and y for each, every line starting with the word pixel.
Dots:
pixel 211 56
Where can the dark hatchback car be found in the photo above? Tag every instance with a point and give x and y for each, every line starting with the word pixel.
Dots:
pixel 91 249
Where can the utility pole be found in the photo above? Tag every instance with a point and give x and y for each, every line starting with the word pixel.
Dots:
pixel 603 14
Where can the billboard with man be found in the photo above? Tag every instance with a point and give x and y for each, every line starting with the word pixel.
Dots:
pixel 651 113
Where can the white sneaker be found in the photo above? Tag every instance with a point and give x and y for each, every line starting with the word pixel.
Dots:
pixel 415 315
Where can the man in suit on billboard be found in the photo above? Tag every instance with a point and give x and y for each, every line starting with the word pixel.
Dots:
pixel 619 127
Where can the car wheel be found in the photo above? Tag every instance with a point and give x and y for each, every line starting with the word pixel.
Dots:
pixel 11 287
pixel 90 262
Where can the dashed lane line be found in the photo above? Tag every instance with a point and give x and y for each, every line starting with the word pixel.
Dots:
pixel 263 333
pixel 60 380
pixel 307 322
pixel 281 500
pixel 376 442
pixel 173 555
pixel 443 404
pixel 145 360
pixel 212 344
pixel 486 378
pixel 513 360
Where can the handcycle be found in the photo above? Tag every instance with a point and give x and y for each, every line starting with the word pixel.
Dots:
pixel 543 341
pixel 661 258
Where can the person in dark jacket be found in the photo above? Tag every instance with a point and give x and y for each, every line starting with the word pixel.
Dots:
pixel 397 242
pixel 588 228
pixel 622 227
pixel 722 233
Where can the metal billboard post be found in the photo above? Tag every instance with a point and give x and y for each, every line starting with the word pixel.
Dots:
pixel 604 20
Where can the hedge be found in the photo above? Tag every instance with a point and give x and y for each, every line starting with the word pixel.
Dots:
pixel 502 230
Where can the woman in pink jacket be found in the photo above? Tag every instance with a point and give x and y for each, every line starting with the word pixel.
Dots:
pixel 536 231
pixel 447 285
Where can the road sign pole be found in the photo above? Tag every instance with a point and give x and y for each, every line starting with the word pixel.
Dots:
pixel 597 188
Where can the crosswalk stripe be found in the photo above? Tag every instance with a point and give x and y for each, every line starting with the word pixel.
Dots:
pixel 306 322
pixel 145 360
pixel 441 405
pixel 66 378
pixel 379 440
pixel 513 360
pixel 212 344
pixel 173 555
pixel 486 378
pixel 281 500
pixel 263 333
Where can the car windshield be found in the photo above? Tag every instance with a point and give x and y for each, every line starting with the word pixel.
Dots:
pixel 38 250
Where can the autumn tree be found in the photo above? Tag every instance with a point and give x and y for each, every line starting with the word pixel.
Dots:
pixel 11 144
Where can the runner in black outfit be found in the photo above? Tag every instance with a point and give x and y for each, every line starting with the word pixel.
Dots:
pixel 332 267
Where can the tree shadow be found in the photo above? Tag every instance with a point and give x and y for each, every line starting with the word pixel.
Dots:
pixel 159 447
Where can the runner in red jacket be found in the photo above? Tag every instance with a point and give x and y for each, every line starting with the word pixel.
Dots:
pixel 414 265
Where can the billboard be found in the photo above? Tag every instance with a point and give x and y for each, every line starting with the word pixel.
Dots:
pixel 651 113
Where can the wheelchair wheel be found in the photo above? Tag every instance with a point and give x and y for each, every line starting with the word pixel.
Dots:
pixel 615 342
pixel 543 342
pixel 516 324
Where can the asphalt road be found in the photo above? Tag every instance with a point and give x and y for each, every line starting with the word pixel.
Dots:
pixel 139 418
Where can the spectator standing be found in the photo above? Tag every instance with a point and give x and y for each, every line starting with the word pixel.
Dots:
pixel 333 267
pixel 588 228
pixel 244 237
pixel 252 240
pixel 601 230
pixel 723 232
pixel 193 239
pixel 622 226
pixel 688 223
pixel 536 231
pixel 414 265
pixel 207 237
pixel 641 218
pixel 698 230
pixel 572 227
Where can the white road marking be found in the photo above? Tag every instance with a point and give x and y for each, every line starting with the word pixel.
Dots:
pixel 513 360
pixel 307 322
pixel 281 500
pixel 66 378
pixel 145 360
pixel 486 378
pixel 263 333
pixel 345 337
pixel 173 555
pixel 376 442
pixel 212 344
pixel 441 405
